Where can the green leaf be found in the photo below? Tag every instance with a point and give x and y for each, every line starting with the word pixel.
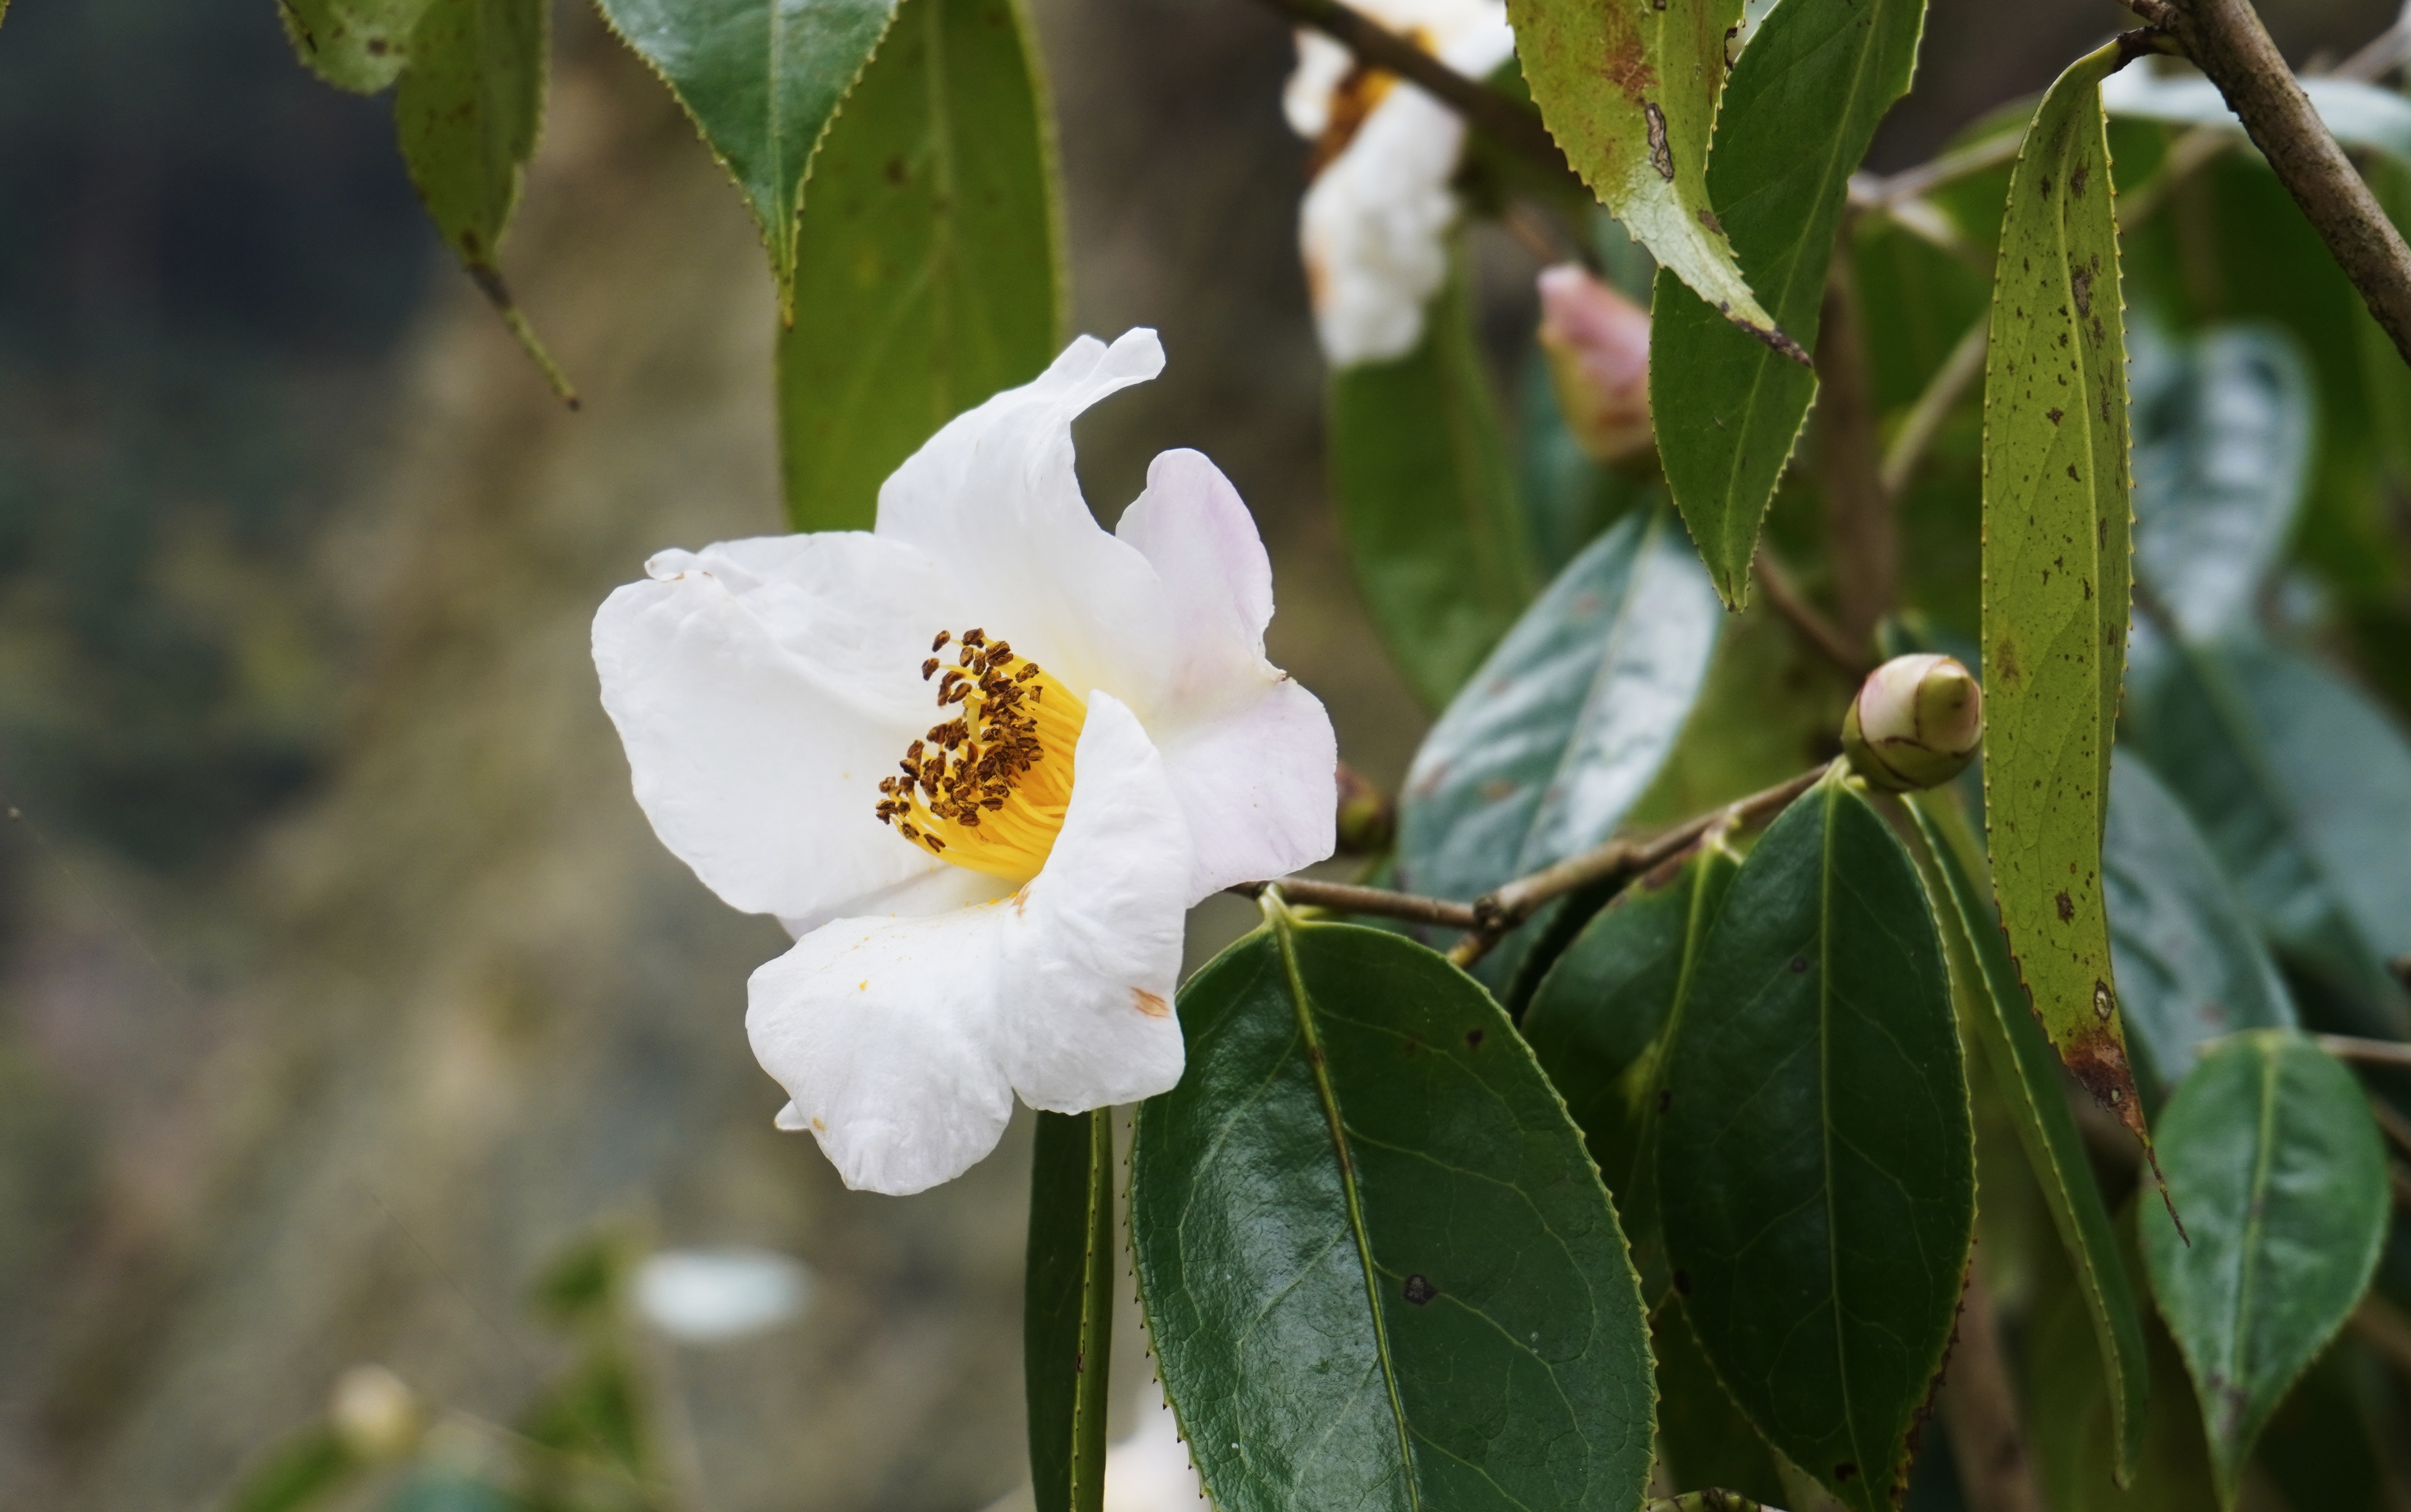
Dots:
pixel 1378 1269
pixel 1707 1441
pixel 2222 455
pixel 1630 91
pixel 2323 1446
pixel 1600 1019
pixel 467 113
pixel 1804 100
pixel 2359 114
pixel 929 261
pixel 304 1471
pixel 2029 1078
pixel 1567 498
pixel 2056 574
pixel 2302 788
pixel 761 79
pixel 2270 1151
pixel 2189 965
pixel 1428 500
pixel 2070 1418
pixel 358 45
pixel 1543 753
pixel 1815 1164
pixel 1067 1324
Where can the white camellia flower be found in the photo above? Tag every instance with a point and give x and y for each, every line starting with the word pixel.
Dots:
pixel 1374 227
pixel 979 762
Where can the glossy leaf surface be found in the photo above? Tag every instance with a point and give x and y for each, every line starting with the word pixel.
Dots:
pixel 2029 1075
pixel 1544 752
pixel 1708 1443
pixel 2056 574
pixel 1630 91
pixel 1427 501
pixel 2222 455
pixel 1068 1308
pixel 1602 1018
pixel 2270 1153
pixel 1816 1162
pixel 1378 1268
pixel 1805 99
pixel 761 79
pixel 2302 788
pixel 2190 967
pixel 928 254
pixel 357 45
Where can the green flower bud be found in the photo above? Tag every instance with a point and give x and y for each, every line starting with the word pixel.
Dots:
pixel 377 1416
pixel 1369 821
pixel 1916 723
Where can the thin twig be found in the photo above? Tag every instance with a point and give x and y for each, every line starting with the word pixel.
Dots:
pixel 1784 597
pixel 2227 42
pixel 1964 365
pixel 2381 54
pixel 1380 902
pixel 2191 152
pixel 2396 1127
pixel 1876 191
pixel 1497 911
pixel 1512 124
pixel 2346 1047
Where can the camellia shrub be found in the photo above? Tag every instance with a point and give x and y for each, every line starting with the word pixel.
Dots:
pixel 1885 981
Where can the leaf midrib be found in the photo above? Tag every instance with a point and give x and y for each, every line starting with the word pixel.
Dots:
pixel 1830 795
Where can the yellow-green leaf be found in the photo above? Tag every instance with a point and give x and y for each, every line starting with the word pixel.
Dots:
pixel 1629 88
pixel 358 45
pixel 2057 573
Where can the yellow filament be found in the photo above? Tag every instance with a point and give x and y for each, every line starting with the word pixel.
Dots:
pixel 989 788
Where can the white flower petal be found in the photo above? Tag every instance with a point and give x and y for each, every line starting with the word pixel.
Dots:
pixel 1260 788
pixel 994 498
pixel 882 1031
pixel 1091 947
pixel 1251 754
pixel 759 717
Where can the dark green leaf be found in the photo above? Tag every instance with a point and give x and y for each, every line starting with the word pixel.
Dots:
pixel 302 1472
pixel 1378 1268
pixel 761 79
pixel 1816 1163
pixel 1428 500
pixel 1602 1018
pixel 928 261
pixel 1707 1441
pixel 2074 1425
pixel 1802 105
pixel 2189 966
pixel 2302 788
pixel 358 45
pixel 2028 1076
pixel 1067 1324
pixel 2222 453
pixel 1567 498
pixel 467 113
pixel 2271 1154
pixel 2322 1447
pixel 1544 752
pixel 2056 574
pixel 1630 91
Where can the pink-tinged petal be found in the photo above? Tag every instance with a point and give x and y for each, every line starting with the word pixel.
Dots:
pixel 882 1031
pixel 1216 584
pixel 758 719
pixel 1091 946
pixel 1597 346
pixel 993 499
pixel 1260 787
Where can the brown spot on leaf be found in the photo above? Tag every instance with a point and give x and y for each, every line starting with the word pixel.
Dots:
pixel 2067 907
pixel 1665 1098
pixel 2076 179
pixel 1473 1038
pixel 1661 152
pixel 2081 284
pixel 1845 1472
pixel 2054 416
pixel 1708 219
pixel 1799 964
pixel 1419 1290
pixel 1682 1282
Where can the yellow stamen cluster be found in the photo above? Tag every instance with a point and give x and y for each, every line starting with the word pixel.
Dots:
pixel 989 788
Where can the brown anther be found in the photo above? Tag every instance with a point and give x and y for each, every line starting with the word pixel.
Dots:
pixel 975 636
pixel 1029 669
pixel 910 832
pixel 1000 653
pixel 935 844
pixel 940 644
pixel 928 668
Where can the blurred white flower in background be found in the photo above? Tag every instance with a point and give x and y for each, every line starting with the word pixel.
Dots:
pixel 375 1414
pixel 1374 227
pixel 1150 1470
pixel 711 1296
pixel 992 903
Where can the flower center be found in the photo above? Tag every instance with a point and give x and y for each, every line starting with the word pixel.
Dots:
pixel 989 788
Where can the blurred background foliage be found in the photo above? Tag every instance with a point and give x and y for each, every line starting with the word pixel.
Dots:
pixel 343 991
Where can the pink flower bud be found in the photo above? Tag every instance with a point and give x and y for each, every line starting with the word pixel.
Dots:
pixel 1597 346
pixel 1917 723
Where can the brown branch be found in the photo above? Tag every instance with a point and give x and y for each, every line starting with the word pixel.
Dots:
pixel 1512 124
pixel 1784 597
pixel 2360 1052
pixel 1942 392
pixel 1979 1410
pixel 2227 42
pixel 1380 902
